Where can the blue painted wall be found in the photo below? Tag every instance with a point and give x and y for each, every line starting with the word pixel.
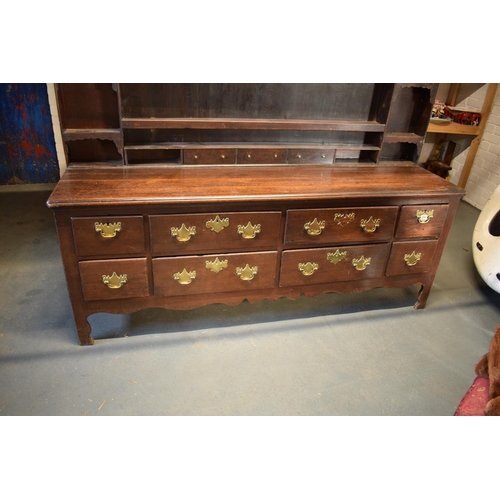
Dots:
pixel 27 146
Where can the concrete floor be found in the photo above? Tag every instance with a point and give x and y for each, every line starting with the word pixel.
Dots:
pixel 365 354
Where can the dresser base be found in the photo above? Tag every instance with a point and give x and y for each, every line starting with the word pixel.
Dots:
pixel 133 239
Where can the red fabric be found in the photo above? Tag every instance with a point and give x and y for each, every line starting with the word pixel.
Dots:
pixel 475 399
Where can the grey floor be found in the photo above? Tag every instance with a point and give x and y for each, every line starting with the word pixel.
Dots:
pixel 364 354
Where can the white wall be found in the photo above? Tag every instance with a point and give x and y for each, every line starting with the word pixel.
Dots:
pixel 485 173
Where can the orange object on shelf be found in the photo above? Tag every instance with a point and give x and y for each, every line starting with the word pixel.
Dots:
pixel 463 116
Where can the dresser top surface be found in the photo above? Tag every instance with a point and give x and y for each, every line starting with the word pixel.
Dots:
pixel 113 186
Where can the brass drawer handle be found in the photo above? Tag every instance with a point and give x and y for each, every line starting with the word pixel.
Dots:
pixel 249 231
pixel 308 268
pixel 412 258
pixel 216 265
pixel 183 233
pixel 217 224
pixel 370 225
pixel 108 230
pixel 185 277
pixel 299 156
pixel 424 216
pixel 247 273
pixel 114 281
pixel 249 156
pixel 315 227
pixel 223 156
pixel 336 257
pixel 361 264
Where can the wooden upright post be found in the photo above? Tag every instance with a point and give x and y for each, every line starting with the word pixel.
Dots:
pixel 474 146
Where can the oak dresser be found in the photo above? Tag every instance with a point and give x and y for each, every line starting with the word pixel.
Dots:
pixel 182 195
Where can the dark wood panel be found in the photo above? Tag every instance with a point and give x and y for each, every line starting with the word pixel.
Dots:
pixel 248 100
pixel 88 105
pixel 411 109
pixel 340 225
pixel 412 257
pixel 209 136
pixel 411 225
pixel 135 271
pixel 224 236
pixel 92 150
pixel 129 240
pixel 347 263
pixel 139 185
pixel 200 274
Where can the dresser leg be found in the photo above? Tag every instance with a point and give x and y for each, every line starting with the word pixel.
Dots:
pixel 83 329
pixel 423 294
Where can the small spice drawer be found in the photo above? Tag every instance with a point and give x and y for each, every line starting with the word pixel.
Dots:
pixel 421 221
pixel 315 156
pixel 114 278
pixel 201 233
pixel 329 265
pixel 214 273
pixel 319 226
pixel 96 236
pixel 256 156
pixel 209 156
pixel 408 257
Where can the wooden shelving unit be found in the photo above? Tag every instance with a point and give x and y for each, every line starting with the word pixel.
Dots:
pixel 470 130
pixel 282 123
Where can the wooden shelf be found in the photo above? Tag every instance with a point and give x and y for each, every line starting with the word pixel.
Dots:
pixel 94 164
pixel 251 124
pixel 73 134
pixel 452 128
pixel 248 145
pixel 394 137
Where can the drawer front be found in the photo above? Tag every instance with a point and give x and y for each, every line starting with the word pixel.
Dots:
pixel 108 235
pixel 201 233
pixel 214 273
pixel 315 156
pixel 262 156
pixel 408 257
pixel 421 221
pixel 209 156
pixel 329 265
pixel 340 225
pixel 114 279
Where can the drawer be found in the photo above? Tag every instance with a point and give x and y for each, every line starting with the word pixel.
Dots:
pixel 421 221
pixel 329 265
pixel 205 233
pixel 108 236
pixel 209 156
pixel 313 156
pixel 409 257
pixel 354 225
pixel 114 279
pixel 262 156
pixel 214 273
